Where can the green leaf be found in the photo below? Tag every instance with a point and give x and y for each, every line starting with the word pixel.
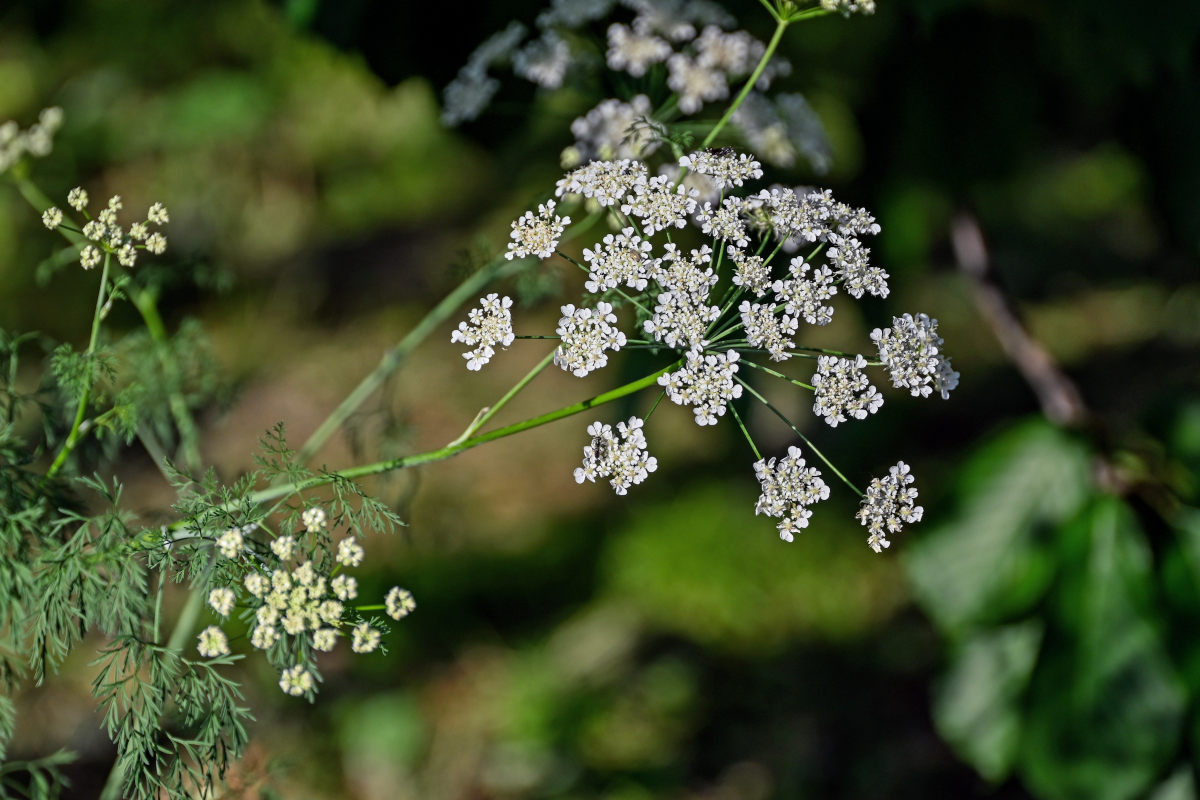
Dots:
pixel 977 707
pixel 995 559
pixel 1105 705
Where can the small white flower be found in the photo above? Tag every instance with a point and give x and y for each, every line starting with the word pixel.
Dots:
pixel 281 581
pixel 749 271
pixel 330 611
pixel 851 265
pixel 257 584
pixel 324 639
pixel 485 328
pixel 465 97
pixel 766 330
pixel 138 231
pixel 544 61
pixel 127 255
pixel 156 243
pixel 313 519
pixel 212 642
pixel 842 389
pixel 264 636
pixel 158 214
pixel 77 198
pixel 230 543
pixel 706 382
pixel 660 204
pixel 634 52
pixel 848 7
pixel 296 681
pixel 400 603
pixel 221 600
pixel 612 130
pixel 621 259
pixel 804 295
pixel 788 488
pixel 89 257
pixel 586 335
pixel 283 546
pixel 350 553
pixel 606 182
pixel 52 217
pixel 725 166
pixel 536 235
pixel 344 587
pixel 695 82
pixel 305 574
pixel 95 230
pixel 911 350
pixel 623 459
pixel 888 506
pixel 724 222
pixel 365 639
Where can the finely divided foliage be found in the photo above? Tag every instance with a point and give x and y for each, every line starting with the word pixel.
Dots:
pixel 266 559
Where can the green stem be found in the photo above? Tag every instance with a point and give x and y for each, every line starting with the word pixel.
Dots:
pixel 145 301
pixel 780 26
pixel 393 358
pixel 521 384
pixel 73 436
pixel 746 433
pixel 455 448
pixel 804 438
pixel 770 371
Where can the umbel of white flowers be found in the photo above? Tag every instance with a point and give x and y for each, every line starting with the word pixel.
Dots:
pixel 293 603
pixel 713 341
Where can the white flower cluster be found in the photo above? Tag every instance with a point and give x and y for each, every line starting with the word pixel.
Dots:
pixel 612 130
pixel 725 166
pixel 848 7
pixel 842 388
pixel 544 61
pixel 586 334
pixel 606 182
pixel 624 260
pixel 673 288
pixel 486 327
pixel 706 382
pixel 912 352
pixel 766 330
pixel 536 235
pixel 622 459
pixel 805 295
pixel 109 237
pixel 633 52
pixel 888 506
pixel 789 487
pixel 37 140
pixel 660 203
pixel 303 602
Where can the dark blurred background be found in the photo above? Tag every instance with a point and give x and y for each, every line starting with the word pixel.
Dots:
pixel 1031 638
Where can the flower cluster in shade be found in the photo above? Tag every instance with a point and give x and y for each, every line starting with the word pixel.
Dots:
pixel 691 45
pixel 105 235
pixel 776 263
pixel 294 602
pixel 37 140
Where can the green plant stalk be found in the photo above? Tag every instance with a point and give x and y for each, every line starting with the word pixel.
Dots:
pixel 481 420
pixel 770 371
pixel 73 436
pixel 780 26
pixel 804 438
pixel 145 302
pixel 392 359
pixel 454 448
pixel 745 432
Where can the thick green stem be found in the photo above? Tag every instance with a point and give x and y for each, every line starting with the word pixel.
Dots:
pixel 393 358
pixel 73 436
pixel 455 448
pixel 780 26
